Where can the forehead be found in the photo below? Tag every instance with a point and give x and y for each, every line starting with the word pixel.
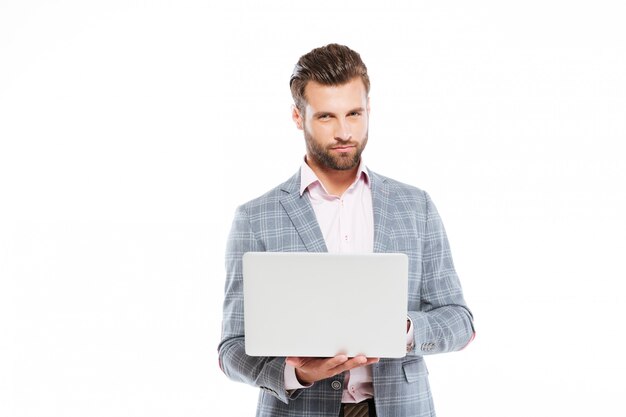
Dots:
pixel 336 97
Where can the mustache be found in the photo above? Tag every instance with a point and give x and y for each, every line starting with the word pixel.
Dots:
pixel 339 142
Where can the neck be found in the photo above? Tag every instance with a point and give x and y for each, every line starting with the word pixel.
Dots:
pixel 335 181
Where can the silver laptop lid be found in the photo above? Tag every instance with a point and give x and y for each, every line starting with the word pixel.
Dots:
pixel 321 304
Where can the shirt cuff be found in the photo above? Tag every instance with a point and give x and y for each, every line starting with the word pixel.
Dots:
pixel 410 337
pixel 291 380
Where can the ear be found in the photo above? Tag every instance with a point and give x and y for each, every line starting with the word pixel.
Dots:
pixel 368 105
pixel 296 117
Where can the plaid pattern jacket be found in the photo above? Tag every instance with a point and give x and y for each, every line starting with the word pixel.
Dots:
pixel 406 221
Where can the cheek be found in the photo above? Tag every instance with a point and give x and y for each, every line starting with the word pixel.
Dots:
pixel 320 131
pixel 360 128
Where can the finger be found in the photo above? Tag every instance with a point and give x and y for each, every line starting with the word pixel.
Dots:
pixel 331 363
pixel 350 364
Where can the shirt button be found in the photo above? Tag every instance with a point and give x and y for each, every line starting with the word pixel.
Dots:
pixel 336 385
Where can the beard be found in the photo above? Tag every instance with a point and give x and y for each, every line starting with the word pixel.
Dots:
pixel 339 161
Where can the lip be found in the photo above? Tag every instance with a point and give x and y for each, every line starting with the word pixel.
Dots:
pixel 342 148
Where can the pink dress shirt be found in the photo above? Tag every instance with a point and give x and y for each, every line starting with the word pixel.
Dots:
pixel 347 224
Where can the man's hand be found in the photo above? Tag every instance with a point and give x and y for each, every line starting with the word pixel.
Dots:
pixel 310 370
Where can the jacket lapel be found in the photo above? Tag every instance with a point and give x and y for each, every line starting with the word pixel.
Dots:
pixel 384 210
pixel 302 216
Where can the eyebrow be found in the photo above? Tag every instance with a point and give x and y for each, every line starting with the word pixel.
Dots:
pixel 324 113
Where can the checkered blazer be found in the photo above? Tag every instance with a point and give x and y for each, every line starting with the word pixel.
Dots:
pixel 406 221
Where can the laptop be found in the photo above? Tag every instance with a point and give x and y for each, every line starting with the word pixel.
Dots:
pixel 322 304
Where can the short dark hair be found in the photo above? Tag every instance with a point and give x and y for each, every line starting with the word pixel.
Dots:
pixel 332 64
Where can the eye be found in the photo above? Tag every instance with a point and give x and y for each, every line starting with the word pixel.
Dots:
pixel 355 113
pixel 324 116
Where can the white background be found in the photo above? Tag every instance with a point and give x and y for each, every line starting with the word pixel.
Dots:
pixel 130 131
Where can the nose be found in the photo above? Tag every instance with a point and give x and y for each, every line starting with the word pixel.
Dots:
pixel 343 131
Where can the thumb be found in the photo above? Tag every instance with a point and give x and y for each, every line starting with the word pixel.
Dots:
pixel 294 361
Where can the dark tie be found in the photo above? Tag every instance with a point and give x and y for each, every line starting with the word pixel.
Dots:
pixel 356 410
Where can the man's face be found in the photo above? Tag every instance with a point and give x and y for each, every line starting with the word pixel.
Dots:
pixel 335 124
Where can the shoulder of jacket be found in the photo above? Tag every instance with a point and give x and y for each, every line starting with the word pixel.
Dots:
pixel 272 196
pixel 401 188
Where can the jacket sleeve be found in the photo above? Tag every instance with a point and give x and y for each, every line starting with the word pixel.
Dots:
pixel 444 322
pixel 266 373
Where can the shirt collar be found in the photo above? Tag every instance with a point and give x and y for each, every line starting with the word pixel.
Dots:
pixel 308 177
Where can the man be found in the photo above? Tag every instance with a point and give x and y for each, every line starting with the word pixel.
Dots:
pixel 334 203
